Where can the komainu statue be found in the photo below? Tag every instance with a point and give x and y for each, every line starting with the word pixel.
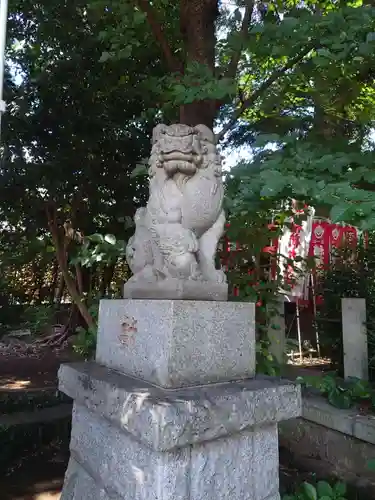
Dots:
pixel 174 246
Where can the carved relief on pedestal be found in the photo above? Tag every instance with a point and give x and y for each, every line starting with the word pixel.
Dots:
pixel 129 328
pixel 178 231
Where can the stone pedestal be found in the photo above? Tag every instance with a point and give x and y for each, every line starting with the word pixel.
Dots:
pixel 175 343
pixel 213 438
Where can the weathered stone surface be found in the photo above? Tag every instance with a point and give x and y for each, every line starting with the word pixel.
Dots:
pixel 349 422
pixel 123 468
pixel 178 231
pixel 176 288
pixel 364 428
pixel 244 466
pixel 168 419
pixel 327 452
pixel 79 485
pixel 354 337
pixel 175 343
pixel 320 411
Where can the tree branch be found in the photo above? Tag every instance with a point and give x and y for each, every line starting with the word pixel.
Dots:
pixel 158 32
pixel 263 87
pixel 233 65
pixel 61 256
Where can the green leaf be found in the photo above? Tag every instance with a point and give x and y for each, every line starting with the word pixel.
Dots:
pixel 321 61
pixel 309 491
pixel 338 212
pixel 371 464
pixel 340 489
pixel 110 238
pixel 257 28
pixel 96 238
pixel 264 139
pixel 291 21
pixel 139 171
pixel 237 15
pixel 105 57
pixel 370 37
pixel 138 17
pixel 340 399
pixel 324 489
pixel 324 53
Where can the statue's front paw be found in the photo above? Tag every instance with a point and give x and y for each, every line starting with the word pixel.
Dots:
pixel 220 276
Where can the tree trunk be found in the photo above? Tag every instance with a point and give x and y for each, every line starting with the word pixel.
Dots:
pixel 197 19
pixel 60 289
pixel 62 259
pixel 107 278
pixel 55 277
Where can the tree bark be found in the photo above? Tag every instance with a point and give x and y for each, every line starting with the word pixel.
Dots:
pixel 60 289
pixel 53 285
pixel 197 22
pixel 61 256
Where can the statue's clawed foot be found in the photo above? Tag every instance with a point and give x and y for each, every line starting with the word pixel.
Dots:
pixel 220 276
pixel 207 250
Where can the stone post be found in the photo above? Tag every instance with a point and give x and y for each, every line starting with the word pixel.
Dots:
pixel 276 333
pixel 171 408
pixel 354 336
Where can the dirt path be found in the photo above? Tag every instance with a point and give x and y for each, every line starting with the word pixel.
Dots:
pixel 37 476
pixel 31 373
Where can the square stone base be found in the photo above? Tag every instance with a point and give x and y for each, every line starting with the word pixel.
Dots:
pixel 113 465
pixel 176 343
pixel 133 441
pixel 79 485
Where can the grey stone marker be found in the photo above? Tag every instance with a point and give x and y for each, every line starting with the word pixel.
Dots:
pixel 171 408
pixel 354 336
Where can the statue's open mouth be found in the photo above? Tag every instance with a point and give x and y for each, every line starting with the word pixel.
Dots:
pixel 176 162
pixel 180 156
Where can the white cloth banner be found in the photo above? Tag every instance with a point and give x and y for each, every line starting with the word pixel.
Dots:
pixel 292 245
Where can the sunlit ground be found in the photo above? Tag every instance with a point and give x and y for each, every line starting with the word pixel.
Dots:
pixel 47 496
pixel 40 491
pixel 14 384
pixel 309 361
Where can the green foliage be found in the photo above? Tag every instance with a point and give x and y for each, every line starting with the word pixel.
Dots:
pixel 38 318
pixel 340 393
pixel 99 249
pixel 266 363
pixel 320 177
pixel 318 115
pixel 304 84
pixel 85 340
pixel 254 227
pixel 321 491
pixel 69 151
pixel 351 275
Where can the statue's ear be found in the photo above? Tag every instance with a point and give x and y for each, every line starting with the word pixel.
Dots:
pixel 157 132
pixel 205 133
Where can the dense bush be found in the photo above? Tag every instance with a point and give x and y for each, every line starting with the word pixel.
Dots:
pixel 351 275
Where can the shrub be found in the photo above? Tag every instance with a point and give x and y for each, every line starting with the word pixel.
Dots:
pixel 352 275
